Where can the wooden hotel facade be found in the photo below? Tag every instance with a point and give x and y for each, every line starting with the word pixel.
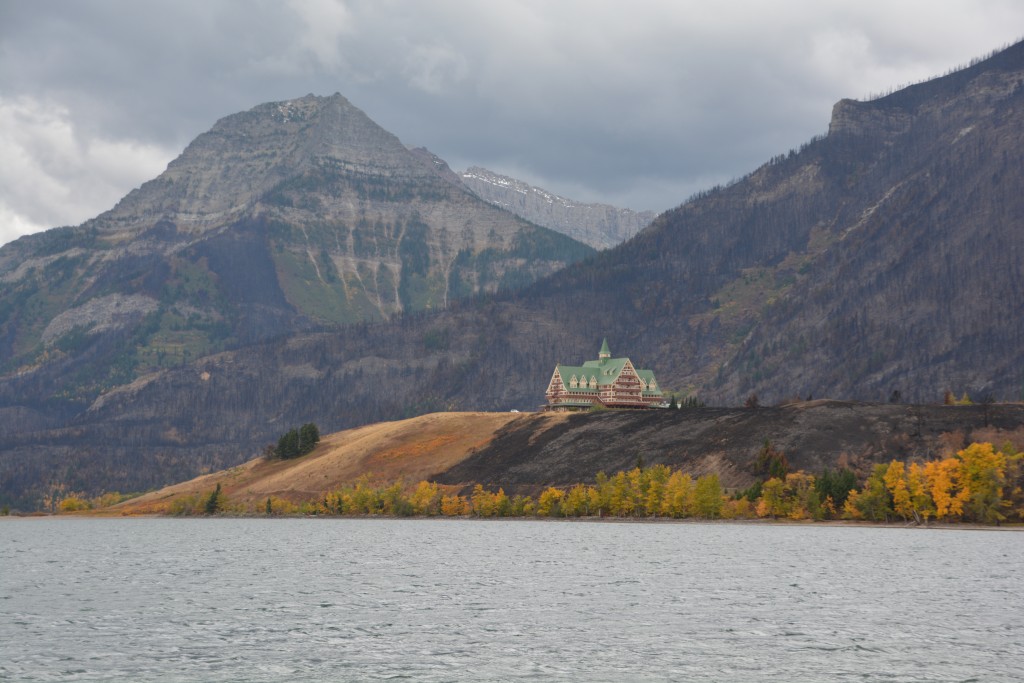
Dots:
pixel 606 382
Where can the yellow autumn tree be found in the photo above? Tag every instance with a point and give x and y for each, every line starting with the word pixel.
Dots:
pixel 942 481
pixel 488 504
pixel 772 502
pixel 677 499
pixel 453 506
pixel 425 499
pixel 73 503
pixel 620 502
pixel 917 487
pixel 896 481
pixel 851 508
pixel 548 502
pixel 636 489
pixel 334 502
pixel 364 499
pixel 577 501
pixel 483 502
pixel 983 473
pixel 738 508
pixel 393 501
pixel 279 506
pixel 657 477
pixel 707 495
pixel 801 498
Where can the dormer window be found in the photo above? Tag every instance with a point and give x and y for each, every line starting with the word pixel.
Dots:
pixel 573 383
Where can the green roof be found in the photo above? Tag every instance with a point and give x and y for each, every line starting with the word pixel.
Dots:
pixel 605 371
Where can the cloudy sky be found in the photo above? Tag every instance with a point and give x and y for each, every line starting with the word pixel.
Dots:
pixel 637 104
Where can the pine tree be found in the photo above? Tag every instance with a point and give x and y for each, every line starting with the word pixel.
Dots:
pixel 213 502
pixel 288 445
pixel 309 437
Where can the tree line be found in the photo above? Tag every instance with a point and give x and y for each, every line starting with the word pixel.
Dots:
pixel 980 484
pixel 296 442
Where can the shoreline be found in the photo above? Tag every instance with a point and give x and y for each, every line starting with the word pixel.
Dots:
pixel 944 526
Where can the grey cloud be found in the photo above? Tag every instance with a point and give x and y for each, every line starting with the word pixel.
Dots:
pixel 639 104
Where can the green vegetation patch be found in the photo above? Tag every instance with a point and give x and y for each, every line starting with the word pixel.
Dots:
pixel 339 299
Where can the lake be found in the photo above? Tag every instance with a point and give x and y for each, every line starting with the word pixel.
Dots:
pixel 456 600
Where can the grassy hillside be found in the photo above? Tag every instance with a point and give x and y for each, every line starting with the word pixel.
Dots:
pixel 524 453
pixel 408 450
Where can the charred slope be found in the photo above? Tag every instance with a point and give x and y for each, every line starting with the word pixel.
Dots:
pixel 529 455
pixel 885 255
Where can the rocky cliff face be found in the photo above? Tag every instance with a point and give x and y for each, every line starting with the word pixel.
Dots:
pixel 599 225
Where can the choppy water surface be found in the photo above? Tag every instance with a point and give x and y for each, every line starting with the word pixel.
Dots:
pixel 440 600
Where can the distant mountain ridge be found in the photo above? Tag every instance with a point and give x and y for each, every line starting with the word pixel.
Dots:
pixel 599 225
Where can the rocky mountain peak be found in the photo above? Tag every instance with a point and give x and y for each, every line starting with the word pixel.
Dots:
pixel 969 93
pixel 224 171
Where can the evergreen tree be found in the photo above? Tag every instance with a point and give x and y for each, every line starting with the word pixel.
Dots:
pixel 297 442
pixel 875 501
pixel 309 437
pixel 771 462
pixel 288 445
pixel 213 502
pixel 752 493
pixel 836 484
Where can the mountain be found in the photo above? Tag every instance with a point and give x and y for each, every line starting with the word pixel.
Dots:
pixel 599 225
pixel 291 216
pixel 882 257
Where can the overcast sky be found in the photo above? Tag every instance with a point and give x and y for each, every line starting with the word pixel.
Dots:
pixel 637 103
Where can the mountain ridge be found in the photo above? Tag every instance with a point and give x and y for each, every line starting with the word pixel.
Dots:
pixel 599 225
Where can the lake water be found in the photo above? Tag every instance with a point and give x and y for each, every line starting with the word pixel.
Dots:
pixel 455 600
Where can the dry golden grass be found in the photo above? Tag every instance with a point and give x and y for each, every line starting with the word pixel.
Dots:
pixel 408 450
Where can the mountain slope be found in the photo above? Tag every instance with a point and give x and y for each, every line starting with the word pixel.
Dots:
pixel 599 225
pixel 291 216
